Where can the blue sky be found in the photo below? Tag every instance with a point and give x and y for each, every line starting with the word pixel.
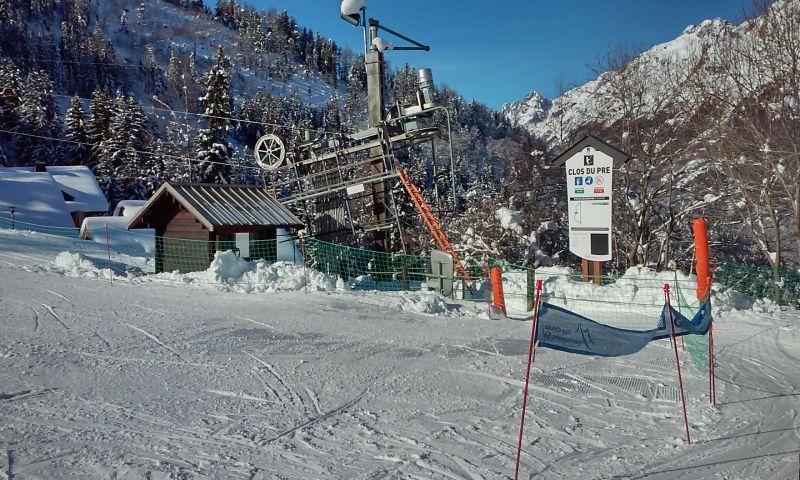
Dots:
pixel 497 52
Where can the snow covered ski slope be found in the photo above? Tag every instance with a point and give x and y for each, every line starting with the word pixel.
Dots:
pixel 173 379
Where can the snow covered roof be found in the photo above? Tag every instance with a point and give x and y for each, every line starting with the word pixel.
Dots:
pixel 93 224
pixel 596 143
pixel 79 183
pixel 128 208
pixel 218 206
pixel 36 197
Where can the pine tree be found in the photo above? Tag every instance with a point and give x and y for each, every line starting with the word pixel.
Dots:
pixel 154 76
pixel 123 22
pixel 141 11
pixel 174 70
pixel 10 99
pixel 12 31
pixel 37 114
pixel 99 122
pixel 114 151
pixel 213 151
pixel 193 65
pixel 100 53
pixel 71 45
pixel 75 131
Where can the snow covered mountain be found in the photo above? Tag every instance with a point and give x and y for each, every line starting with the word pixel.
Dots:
pixel 594 102
pixel 532 109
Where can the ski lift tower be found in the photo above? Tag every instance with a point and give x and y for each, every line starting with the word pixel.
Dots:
pixel 342 180
pixel 354 12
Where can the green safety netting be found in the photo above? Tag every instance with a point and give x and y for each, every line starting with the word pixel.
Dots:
pixel 195 255
pixel 366 269
pixel 759 282
pixel 696 345
pixel 11 224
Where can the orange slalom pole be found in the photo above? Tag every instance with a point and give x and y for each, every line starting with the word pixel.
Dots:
pixel 497 289
pixel 701 257
pixel 703 271
pixel 677 362
pixel 531 359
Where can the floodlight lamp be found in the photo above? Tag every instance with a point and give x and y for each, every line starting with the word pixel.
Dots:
pixel 351 11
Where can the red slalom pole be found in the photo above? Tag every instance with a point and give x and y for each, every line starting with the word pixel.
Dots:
pixel 677 362
pixel 303 253
pixel 531 358
pixel 710 369
pixel 712 379
pixel 108 251
pixel 486 287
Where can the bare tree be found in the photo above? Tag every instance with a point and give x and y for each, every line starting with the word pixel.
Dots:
pixel 751 123
pixel 657 189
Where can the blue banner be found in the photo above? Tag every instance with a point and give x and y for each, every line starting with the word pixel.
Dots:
pixel 563 330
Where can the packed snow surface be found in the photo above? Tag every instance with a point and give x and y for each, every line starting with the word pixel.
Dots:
pixel 185 376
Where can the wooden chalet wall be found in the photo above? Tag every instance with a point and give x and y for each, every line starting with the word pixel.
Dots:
pixel 190 246
pixel 185 225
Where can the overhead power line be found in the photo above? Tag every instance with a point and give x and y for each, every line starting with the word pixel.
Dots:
pixel 218 117
pixel 73 62
pixel 143 152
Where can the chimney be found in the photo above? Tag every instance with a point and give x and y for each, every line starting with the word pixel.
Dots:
pixel 40 167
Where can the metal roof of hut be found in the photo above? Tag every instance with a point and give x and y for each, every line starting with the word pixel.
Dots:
pixel 219 207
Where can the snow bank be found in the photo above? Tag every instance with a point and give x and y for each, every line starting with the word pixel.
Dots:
pixel 140 242
pixel 634 300
pixel 78 265
pixel 423 302
pixel 231 273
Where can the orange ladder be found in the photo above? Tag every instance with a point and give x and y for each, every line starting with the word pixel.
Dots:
pixel 431 222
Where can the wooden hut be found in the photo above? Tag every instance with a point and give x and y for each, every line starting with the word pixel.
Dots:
pixel 192 221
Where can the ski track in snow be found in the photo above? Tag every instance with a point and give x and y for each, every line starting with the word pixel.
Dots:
pixel 35 320
pixel 155 339
pixel 56 317
pixel 58 295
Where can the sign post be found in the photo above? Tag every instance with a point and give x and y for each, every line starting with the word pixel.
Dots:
pixel 589 166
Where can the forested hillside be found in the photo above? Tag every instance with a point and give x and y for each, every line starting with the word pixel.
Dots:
pixel 144 92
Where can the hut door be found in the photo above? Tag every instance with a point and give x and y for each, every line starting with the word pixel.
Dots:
pixel 243 244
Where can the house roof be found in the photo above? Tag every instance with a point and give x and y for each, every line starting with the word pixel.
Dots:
pixel 596 143
pixel 128 208
pixel 79 183
pixel 219 206
pixel 37 199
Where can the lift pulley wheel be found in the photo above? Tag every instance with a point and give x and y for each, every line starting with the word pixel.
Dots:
pixel 270 152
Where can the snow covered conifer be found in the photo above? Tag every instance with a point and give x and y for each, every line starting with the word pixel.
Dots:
pixel 75 131
pixel 141 11
pixel 154 75
pixel 212 142
pixel 123 22
pixel 37 112
pixel 99 119
pixel 9 104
